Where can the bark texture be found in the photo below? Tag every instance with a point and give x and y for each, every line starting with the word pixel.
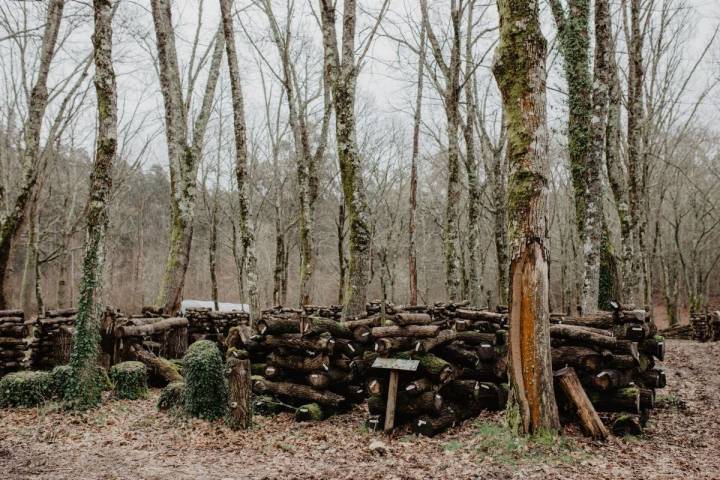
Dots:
pixel 520 73
pixel 84 387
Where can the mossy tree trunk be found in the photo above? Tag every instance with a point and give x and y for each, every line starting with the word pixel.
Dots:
pixel 342 68
pixel 247 237
pixel 184 154
pixel 586 135
pixel 417 121
pixel 451 100
pixel 11 223
pixel 520 73
pixel 84 388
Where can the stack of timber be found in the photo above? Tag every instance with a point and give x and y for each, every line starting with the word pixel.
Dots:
pixel 206 324
pixel 614 355
pixel 164 337
pixel 300 361
pixel 705 326
pixel 13 346
pixel 53 337
pixel 462 365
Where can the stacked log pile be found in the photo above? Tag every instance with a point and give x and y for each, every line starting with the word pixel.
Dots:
pixel 205 324
pixel 13 346
pixel 614 355
pixel 705 327
pixel 462 365
pixel 52 342
pixel 165 337
pixel 683 332
pixel 301 361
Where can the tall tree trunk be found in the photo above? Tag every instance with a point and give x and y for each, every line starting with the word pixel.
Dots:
pixel 184 155
pixel 342 261
pixel 417 121
pixel 473 214
pixel 84 387
pixel 11 223
pixel 212 250
pixel 342 73
pixel 520 73
pixel 247 236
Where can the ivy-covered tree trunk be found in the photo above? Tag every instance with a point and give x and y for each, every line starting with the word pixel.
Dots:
pixel 84 389
pixel 10 224
pixel 586 123
pixel 342 74
pixel 184 155
pixel 520 73
pixel 417 121
pixel 247 237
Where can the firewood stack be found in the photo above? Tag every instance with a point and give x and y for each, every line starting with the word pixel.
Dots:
pixel 302 361
pixel 683 332
pixel 703 326
pixel 53 334
pixel 13 345
pixel 165 337
pixel 205 324
pixel 462 365
pixel 614 355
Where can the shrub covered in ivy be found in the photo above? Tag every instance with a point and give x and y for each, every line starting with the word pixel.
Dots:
pixel 172 396
pixel 60 378
pixel 25 389
pixel 129 380
pixel 205 387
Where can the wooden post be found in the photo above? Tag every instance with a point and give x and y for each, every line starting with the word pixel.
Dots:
pixel 240 391
pixel 392 397
pixel 569 382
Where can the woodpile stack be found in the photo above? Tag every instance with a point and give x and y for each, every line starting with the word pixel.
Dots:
pixel 53 336
pixel 164 337
pixel 13 346
pixel 462 366
pixel 614 355
pixel 682 332
pixel 705 327
pixel 205 324
pixel 302 361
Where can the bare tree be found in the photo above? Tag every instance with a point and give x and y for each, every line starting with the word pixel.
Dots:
pixel 84 387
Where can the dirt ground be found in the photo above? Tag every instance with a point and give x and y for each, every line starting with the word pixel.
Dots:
pixel 132 440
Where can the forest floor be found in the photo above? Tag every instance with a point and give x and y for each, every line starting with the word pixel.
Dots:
pixel 132 440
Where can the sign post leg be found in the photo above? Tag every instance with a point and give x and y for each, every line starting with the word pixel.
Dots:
pixel 392 397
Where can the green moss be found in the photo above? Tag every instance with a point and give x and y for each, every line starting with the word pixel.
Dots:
pixel 129 380
pixel 25 389
pixel 312 412
pixel 206 390
pixel 60 378
pixel 172 396
pixel 266 405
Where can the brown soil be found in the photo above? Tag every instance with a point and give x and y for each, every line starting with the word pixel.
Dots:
pixel 131 440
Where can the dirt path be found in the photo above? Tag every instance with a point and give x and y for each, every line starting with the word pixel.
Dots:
pixel 131 440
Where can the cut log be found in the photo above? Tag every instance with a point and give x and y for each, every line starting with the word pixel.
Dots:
pixel 611 379
pixel 429 426
pixel 299 363
pixel 418 386
pixel 299 392
pixel 460 355
pixel 412 319
pixel 446 336
pixel 151 329
pixel 654 378
pixel 162 367
pixel 278 325
pixel 569 384
pixel 385 346
pixel 582 336
pixel 415 331
pixel 622 400
pixel 476 338
pixel 318 325
pixel 239 393
pixel 579 357
pixel 312 412
pixel 310 345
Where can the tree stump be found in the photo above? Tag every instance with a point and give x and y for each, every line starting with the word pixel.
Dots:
pixel 569 382
pixel 240 392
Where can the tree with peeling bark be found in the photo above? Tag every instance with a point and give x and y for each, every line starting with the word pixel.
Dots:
pixel 247 236
pixel 342 69
pixel 84 387
pixel 183 153
pixel 11 223
pixel 520 73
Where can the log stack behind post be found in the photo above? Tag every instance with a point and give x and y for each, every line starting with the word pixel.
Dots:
pixel 13 344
